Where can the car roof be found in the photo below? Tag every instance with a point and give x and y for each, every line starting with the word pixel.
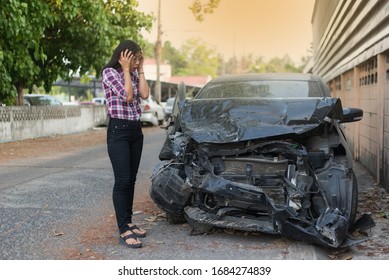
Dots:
pixel 304 78
pixel 267 76
pixel 33 94
pixel 36 95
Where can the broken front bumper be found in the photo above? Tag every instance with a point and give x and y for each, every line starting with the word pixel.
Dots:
pixel 218 202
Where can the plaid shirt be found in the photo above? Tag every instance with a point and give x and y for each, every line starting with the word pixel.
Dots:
pixel 113 85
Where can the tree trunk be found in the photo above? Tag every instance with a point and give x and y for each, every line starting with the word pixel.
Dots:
pixel 19 100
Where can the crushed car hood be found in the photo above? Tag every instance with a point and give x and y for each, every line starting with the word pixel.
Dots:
pixel 234 120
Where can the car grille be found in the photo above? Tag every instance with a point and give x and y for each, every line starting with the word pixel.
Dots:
pixel 266 174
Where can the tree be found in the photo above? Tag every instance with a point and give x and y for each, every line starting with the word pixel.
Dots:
pixel 196 58
pixel 20 45
pixel 175 58
pixel 125 21
pixel 200 9
pixel 231 66
pixel 249 63
pixel 148 49
pixel 280 65
pixel 201 60
pixel 44 39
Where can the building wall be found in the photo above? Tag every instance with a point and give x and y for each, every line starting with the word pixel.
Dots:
pixel 25 122
pixel 367 81
pixel 351 52
pixel 150 68
pixel 385 166
pixel 322 13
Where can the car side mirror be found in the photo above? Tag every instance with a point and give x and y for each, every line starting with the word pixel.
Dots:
pixel 351 115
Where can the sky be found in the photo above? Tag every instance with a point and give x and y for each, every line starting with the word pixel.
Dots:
pixel 267 28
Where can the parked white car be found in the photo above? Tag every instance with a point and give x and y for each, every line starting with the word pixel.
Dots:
pixel 99 100
pixel 169 107
pixel 152 112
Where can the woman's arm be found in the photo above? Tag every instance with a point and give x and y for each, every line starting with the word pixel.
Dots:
pixel 144 89
pixel 125 61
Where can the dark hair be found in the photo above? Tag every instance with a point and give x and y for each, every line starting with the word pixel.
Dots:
pixel 125 45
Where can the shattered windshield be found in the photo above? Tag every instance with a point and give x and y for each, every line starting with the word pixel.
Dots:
pixel 261 89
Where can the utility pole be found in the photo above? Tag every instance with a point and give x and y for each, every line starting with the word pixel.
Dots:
pixel 158 52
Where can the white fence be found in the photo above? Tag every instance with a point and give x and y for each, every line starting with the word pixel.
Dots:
pixel 27 122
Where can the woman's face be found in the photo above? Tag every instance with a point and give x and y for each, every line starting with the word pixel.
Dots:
pixel 136 61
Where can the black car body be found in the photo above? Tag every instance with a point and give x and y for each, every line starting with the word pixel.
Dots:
pixel 260 152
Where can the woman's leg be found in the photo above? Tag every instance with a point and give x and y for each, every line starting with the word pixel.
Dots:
pixel 136 152
pixel 125 143
pixel 136 147
pixel 119 154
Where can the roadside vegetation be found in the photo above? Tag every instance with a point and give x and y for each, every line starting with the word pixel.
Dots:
pixel 42 40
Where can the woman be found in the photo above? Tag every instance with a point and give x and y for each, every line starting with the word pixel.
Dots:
pixel 124 83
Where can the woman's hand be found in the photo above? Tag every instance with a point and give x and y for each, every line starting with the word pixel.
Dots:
pixel 125 59
pixel 144 90
pixel 139 60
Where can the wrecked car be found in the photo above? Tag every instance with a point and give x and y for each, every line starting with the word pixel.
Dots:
pixel 260 152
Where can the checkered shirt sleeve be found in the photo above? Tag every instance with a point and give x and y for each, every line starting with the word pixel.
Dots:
pixel 115 94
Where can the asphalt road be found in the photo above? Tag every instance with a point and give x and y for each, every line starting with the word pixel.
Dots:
pixel 59 206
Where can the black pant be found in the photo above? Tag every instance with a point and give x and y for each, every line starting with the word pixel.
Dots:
pixel 125 143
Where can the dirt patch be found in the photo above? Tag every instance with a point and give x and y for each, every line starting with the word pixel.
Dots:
pixel 374 200
pixel 57 144
pixel 100 233
pixel 103 231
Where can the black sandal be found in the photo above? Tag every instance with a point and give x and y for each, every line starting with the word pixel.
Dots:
pixel 122 240
pixel 137 234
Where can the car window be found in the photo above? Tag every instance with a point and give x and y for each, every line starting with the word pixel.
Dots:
pixel 54 101
pixel 42 100
pixel 99 100
pixel 39 100
pixel 260 89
